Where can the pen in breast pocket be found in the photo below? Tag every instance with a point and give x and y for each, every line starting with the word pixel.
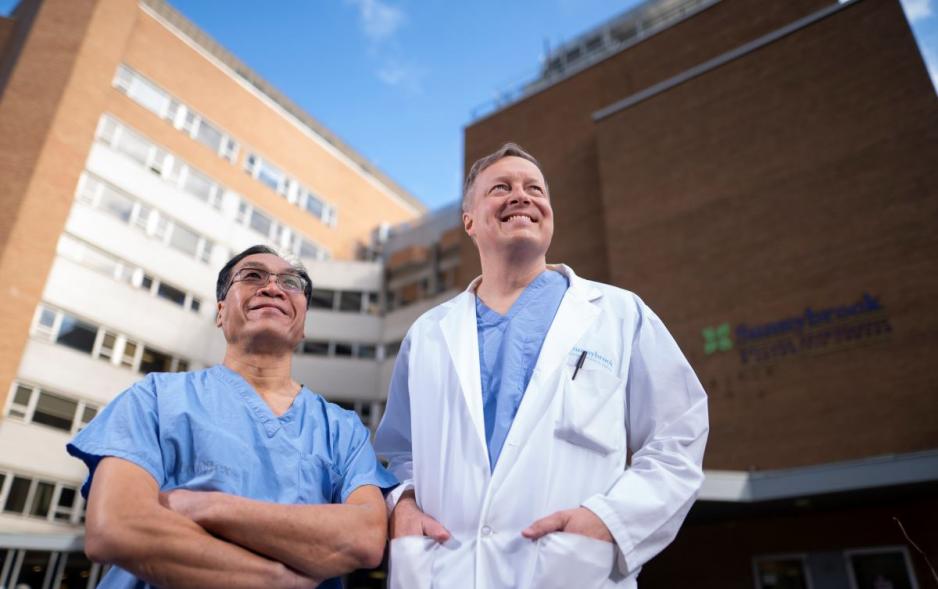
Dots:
pixel 579 364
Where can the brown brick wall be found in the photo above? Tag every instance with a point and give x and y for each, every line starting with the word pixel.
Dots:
pixel 556 125
pixel 801 175
pixel 48 115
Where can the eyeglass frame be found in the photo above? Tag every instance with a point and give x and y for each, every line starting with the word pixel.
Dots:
pixel 306 289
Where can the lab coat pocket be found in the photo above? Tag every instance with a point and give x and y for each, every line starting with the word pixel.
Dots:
pixel 411 562
pixel 593 410
pixel 567 560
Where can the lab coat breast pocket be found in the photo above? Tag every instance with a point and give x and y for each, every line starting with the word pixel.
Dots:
pixel 592 413
pixel 567 560
pixel 411 562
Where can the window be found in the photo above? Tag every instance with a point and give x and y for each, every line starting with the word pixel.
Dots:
pixel 77 334
pixel 343 349
pixel 350 301
pixel 171 294
pixel 128 357
pixel 260 222
pixel 316 348
pixel 34 405
pixel 16 498
pixel 154 361
pixel 142 91
pixel 158 101
pixel 106 349
pixel 322 299
pixel 872 568
pixel 49 500
pixel 785 572
pixel 367 351
pixel 275 179
pixel 310 250
pixel 103 196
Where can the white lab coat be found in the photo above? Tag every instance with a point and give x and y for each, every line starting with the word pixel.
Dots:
pixel 568 446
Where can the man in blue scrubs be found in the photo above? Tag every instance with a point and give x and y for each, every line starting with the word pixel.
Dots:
pixel 237 475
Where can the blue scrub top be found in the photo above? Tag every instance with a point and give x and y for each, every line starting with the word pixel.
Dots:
pixel 210 431
pixel 508 349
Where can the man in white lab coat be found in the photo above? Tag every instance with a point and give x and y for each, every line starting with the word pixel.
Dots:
pixel 547 430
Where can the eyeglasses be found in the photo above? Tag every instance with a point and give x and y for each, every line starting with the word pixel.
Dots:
pixel 288 281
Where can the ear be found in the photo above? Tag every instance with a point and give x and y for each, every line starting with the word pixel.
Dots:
pixel 467 223
pixel 218 310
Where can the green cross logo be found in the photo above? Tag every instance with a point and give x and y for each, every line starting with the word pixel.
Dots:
pixel 717 339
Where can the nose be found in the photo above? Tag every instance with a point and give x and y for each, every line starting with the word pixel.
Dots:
pixel 519 196
pixel 272 280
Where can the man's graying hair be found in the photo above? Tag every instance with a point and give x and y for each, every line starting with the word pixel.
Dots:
pixel 507 150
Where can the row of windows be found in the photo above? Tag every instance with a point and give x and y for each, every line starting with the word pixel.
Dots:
pixel 155 99
pixel 181 175
pixel 275 232
pixel 59 327
pixel 349 301
pixel 171 168
pixel 41 569
pixel 152 97
pixel 32 404
pixel 41 499
pixel 275 179
pixel 341 349
pixel 106 198
pixel 100 261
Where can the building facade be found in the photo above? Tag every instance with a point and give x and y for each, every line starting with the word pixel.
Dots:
pixel 138 156
pixel 763 176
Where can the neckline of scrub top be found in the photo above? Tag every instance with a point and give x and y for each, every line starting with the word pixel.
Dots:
pixel 259 409
pixel 489 317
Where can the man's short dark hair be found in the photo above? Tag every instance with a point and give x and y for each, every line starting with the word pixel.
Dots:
pixel 223 284
pixel 507 150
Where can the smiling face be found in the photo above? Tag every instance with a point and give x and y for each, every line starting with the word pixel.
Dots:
pixel 509 210
pixel 266 315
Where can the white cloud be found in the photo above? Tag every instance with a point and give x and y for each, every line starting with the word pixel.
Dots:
pixel 402 75
pixel 379 21
pixel 918 9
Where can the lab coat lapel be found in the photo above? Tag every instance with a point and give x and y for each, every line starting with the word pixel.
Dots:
pixel 462 340
pixel 575 316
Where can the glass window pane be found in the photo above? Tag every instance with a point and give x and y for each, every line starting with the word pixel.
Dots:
pixel 154 361
pixel 781 574
pixel 316 348
pixel 133 145
pixel 350 300
pixel 55 411
pixel 77 335
pixel 116 204
pixel 22 395
pixel 269 175
pixel 34 569
pixel 876 570
pixel 184 240
pixel 99 262
pixel 46 317
pixel 130 353
pixel 322 298
pixel 107 346
pixel 195 305
pixel 198 185
pixel 343 349
pixel 66 497
pixel 182 365
pixel 16 500
pixel 42 500
pixel 147 95
pixel 76 572
pixel 209 135
pixel 88 414
pixel 171 293
pixel 308 250
pixel 260 222
pixel 367 351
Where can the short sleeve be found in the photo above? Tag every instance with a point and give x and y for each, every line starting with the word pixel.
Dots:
pixel 357 464
pixel 127 428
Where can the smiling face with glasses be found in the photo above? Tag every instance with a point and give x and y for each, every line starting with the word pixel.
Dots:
pixel 264 304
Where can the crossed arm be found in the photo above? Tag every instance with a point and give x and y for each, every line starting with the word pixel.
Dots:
pixel 206 540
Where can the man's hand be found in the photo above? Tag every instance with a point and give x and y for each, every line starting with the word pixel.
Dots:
pixel 580 521
pixel 408 520
pixel 192 504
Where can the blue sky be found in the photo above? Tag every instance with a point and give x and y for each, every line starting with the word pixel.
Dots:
pixel 399 79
